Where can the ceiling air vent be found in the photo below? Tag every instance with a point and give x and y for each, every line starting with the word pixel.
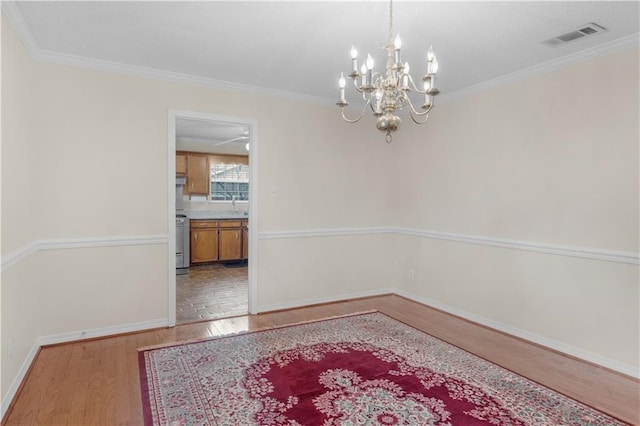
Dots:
pixel 580 32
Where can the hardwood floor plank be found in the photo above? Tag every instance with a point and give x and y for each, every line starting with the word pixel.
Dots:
pixel 96 382
pixel 212 291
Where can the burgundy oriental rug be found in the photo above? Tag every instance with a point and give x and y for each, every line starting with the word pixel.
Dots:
pixel 365 369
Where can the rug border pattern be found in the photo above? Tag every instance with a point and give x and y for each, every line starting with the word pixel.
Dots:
pixel 150 415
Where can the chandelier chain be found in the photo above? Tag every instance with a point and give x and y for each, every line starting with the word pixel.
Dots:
pixel 390 21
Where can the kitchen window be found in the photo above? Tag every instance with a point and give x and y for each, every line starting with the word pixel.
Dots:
pixel 229 182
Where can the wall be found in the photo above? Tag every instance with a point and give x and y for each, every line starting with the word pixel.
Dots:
pixel 543 160
pixel 550 162
pixel 100 258
pixel 20 298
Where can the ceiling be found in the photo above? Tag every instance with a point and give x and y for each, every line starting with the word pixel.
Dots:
pixel 211 136
pixel 299 48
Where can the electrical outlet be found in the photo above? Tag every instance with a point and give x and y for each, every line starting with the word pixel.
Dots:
pixel 10 349
pixel 412 274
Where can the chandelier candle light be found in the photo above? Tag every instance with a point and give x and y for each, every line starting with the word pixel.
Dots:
pixel 388 93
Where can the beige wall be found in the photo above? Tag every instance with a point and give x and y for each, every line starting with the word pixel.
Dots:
pixel 95 145
pixel 540 160
pixel 19 287
pixel 545 160
pixel 312 270
pixel 18 100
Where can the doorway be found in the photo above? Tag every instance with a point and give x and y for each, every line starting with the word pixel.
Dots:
pixel 222 284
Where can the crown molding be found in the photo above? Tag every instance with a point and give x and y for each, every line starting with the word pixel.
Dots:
pixel 11 11
pixel 175 77
pixel 617 45
pixel 13 14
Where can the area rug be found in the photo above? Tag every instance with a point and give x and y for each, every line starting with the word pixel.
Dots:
pixel 365 369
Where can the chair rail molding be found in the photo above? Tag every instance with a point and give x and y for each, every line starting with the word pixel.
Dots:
pixel 32 247
pixel 606 255
pixel 600 254
pixel 547 248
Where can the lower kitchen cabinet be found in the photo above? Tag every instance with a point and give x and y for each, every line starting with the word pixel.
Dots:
pixel 230 240
pixel 245 239
pixel 204 241
pixel 218 240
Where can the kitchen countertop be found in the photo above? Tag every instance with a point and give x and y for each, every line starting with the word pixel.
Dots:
pixel 210 214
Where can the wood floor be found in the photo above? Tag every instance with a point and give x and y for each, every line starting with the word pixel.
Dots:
pixel 212 291
pixel 96 382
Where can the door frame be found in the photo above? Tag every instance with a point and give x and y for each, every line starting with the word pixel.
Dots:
pixel 172 116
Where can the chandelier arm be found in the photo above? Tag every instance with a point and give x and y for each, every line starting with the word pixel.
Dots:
pixel 355 120
pixel 376 75
pixel 355 84
pixel 416 113
pixel 415 120
pixel 373 110
pixel 422 92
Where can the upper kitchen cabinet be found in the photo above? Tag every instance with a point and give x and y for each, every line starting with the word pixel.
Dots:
pixel 197 175
pixel 181 164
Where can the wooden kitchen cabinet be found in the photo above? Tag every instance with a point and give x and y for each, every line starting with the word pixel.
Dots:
pixel 181 164
pixel 218 240
pixel 230 240
pixel 198 175
pixel 245 239
pixel 204 241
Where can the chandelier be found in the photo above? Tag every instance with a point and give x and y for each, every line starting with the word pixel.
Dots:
pixel 386 94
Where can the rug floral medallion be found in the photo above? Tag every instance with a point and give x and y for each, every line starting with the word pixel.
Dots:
pixel 365 369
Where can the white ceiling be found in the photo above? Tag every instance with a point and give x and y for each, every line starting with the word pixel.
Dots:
pixel 299 48
pixel 211 136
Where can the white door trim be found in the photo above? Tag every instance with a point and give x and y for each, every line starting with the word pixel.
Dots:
pixel 174 114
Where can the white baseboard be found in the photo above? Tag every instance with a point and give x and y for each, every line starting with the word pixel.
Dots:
pixel 146 325
pixel 71 337
pixel 320 300
pixel 564 348
pixel 621 367
pixel 101 332
pixel 17 381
